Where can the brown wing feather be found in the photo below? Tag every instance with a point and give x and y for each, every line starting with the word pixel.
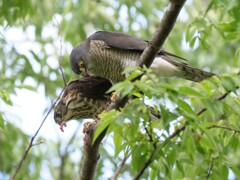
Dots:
pixel 89 86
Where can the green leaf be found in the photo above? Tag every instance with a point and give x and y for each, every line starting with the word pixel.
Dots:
pixel 4 95
pixel 124 88
pixel 208 142
pixel 117 139
pixel 167 116
pixel 190 91
pixel 27 87
pixel 225 172
pixel 106 119
pixel 188 141
pixel 185 110
pixel 171 157
pixel 134 75
pixel 180 167
pixel 131 69
pixel 35 56
pixel 228 83
pixel 192 41
pixel 235 170
pixel 2 125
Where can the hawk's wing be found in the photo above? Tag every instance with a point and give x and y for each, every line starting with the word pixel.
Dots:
pixel 167 66
pixel 126 42
pixel 119 40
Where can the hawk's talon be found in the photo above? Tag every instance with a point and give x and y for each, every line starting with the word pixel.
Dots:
pixel 87 126
pixel 113 96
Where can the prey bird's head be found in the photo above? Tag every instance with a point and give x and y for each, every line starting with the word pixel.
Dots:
pixel 60 112
pixel 79 58
pixel 72 106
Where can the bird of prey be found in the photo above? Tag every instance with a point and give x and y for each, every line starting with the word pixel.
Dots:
pixel 107 54
pixel 83 98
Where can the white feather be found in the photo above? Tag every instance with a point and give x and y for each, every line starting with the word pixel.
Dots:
pixel 163 68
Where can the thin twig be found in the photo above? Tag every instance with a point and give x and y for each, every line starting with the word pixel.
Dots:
pixel 177 131
pixel 224 127
pixel 219 99
pixel 148 162
pixel 32 139
pixel 149 135
pixel 224 95
pixel 120 167
pixel 60 53
pixel 38 143
pixel 209 171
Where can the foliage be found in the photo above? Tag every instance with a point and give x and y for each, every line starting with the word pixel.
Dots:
pixel 206 33
pixel 210 136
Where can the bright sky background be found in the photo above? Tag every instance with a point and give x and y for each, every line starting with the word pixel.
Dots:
pixel 28 106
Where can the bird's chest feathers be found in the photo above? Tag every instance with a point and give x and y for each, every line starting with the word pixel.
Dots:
pixel 109 62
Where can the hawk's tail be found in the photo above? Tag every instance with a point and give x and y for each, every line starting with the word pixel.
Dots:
pixel 166 67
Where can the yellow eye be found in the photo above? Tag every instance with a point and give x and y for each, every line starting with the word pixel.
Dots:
pixel 81 64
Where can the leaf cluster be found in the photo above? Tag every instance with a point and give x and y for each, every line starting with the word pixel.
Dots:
pixel 210 137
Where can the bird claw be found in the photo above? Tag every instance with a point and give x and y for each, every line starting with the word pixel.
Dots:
pixel 62 125
pixel 113 96
pixel 87 126
pixel 88 130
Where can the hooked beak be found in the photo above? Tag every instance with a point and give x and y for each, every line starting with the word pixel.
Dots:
pixel 84 73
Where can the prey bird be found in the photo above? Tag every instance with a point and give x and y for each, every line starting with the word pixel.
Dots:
pixel 107 54
pixel 83 98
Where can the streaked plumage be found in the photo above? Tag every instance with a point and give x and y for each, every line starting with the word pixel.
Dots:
pixel 83 98
pixel 106 54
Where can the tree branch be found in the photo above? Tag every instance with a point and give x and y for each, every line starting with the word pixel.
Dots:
pixel 91 152
pixel 209 171
pixel 218 99
pixel 119 169
pixel 148 162
pixel 224 127
pixel 162 32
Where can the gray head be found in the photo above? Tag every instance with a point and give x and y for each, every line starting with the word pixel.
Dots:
pixel 79 58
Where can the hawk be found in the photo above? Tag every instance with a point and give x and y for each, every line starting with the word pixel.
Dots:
pixel 107 54
pixel 83 98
